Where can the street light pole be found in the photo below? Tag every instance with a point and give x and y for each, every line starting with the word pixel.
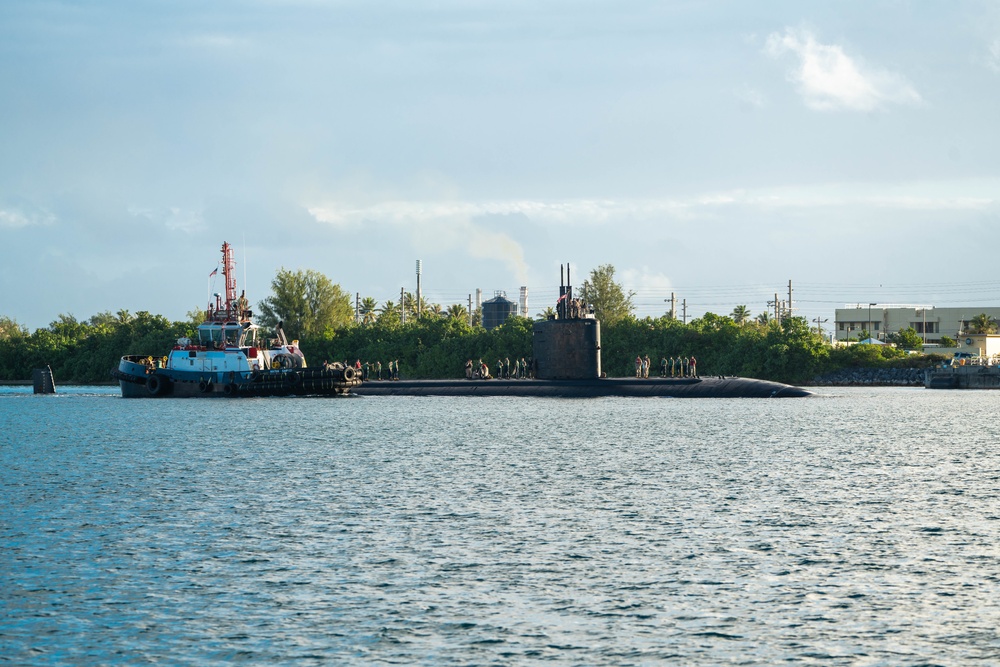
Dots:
pixel 870 320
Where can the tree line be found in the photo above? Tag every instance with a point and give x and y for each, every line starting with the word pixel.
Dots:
pixel 435 342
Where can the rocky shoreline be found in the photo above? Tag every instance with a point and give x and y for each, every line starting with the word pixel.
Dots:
pixel 872 377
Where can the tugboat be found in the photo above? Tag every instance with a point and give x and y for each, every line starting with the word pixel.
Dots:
pixel 231 358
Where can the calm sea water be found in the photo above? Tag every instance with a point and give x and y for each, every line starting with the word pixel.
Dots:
pixel 856 527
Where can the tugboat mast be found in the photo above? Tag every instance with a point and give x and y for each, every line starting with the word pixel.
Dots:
pixel 229 271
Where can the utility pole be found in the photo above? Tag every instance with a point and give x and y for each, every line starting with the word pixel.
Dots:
pixel 357 308
pixel 470 310
pixel 419 267
pixel 790 308
pixel 819 325
pixel 684 306
pixel 402 305
pixel 673 306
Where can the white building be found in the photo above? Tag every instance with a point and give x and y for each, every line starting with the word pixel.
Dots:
pixel 882 320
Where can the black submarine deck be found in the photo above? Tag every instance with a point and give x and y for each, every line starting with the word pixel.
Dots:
pixel 703 387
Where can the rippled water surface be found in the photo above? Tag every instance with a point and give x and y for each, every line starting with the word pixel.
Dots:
pixel 856 527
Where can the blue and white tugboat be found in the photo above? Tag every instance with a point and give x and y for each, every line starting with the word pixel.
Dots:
pixel 231 357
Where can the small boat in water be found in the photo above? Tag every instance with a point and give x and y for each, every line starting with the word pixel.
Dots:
pixel 231 357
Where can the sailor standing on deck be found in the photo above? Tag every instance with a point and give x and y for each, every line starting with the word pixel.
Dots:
pixel 242 304
pixel 638 367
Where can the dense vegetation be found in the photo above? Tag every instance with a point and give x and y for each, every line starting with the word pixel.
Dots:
pixel 437 345
pixel 431 342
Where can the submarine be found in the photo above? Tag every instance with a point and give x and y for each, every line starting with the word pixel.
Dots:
pixel 566 353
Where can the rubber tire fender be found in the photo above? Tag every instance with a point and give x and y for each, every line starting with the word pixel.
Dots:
pixel 348 373
pixel 156 385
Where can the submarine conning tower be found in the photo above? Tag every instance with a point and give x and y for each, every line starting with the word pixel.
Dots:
pixel 567 346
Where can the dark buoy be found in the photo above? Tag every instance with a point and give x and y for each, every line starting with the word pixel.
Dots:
pixel 43 381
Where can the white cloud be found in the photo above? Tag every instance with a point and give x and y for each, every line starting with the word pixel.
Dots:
pixel 646 280
pixel 828 79
pixel 993 60
pixel 17 219
pixel 436 227
pixel 750 96
pixel 173 218
pixel 452 224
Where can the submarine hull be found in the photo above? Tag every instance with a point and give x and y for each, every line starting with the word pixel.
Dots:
pixel 704 387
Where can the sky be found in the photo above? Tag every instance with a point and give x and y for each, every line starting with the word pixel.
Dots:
pixel 714 150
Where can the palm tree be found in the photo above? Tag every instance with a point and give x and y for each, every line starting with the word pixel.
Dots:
pixel 982 324
pixel 457 311
pixel 389 312
pixel 369 310
pixel 547 314
pixel 740 314
pixel 764 318
pixel 435 309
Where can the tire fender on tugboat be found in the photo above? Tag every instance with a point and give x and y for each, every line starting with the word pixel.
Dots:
pixel 156 385
pixel 229 389
pixel 205 386
pixel 348 373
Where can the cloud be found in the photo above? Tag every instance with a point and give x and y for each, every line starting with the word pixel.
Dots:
pixel 993 59
pixel 436 227
pixel 173 218
pixel 17 218
pixel 453 224
pixel 750 97
pixel 646 280
pixel 829 80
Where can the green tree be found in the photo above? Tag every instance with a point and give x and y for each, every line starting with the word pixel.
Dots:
pixel 388 315
pixel 740 314
pixel 307 302
pixel 764 318
pixel 9 328
pixel 547 314
pixel 610 300
pixel 947 341
pixel 369 310
pixel 457 311
pixel 196 316
pixel 983 324
pixel 908 339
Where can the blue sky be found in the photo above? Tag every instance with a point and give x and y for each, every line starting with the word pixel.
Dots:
pixel 713 149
